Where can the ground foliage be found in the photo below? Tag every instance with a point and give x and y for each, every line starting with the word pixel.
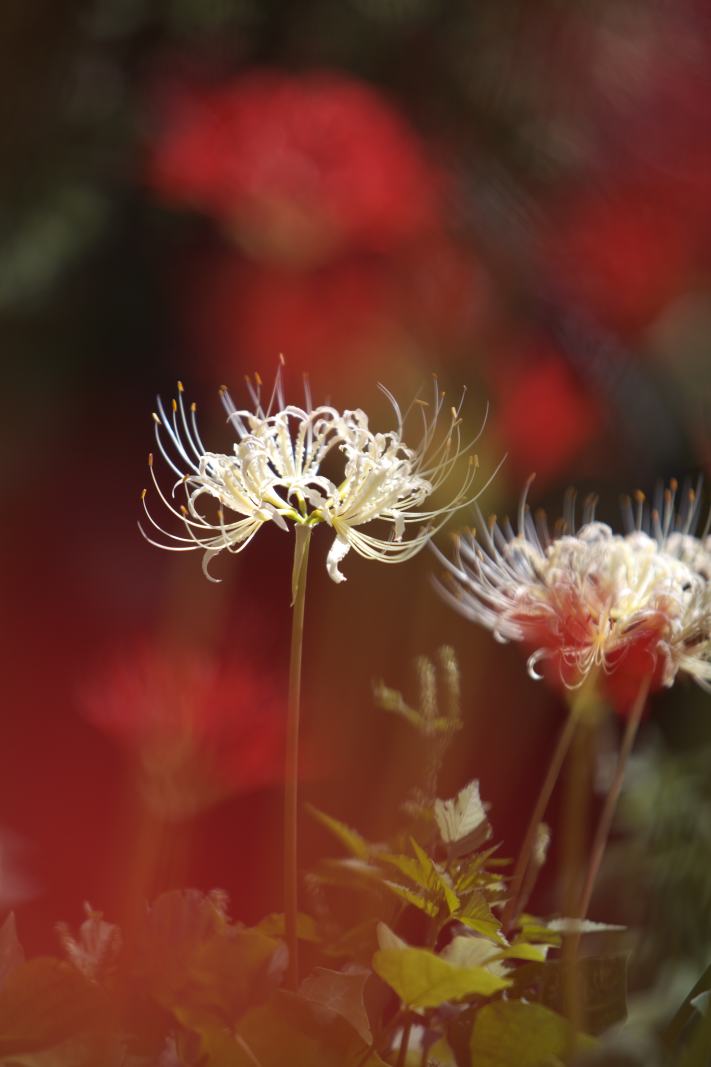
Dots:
pixel 403 945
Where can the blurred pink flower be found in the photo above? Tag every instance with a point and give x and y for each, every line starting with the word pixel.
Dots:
pixel 198 730
pixel 295 167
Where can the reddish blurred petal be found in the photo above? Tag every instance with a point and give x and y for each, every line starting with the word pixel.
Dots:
pixel 295 167
pixel 545 416
pixel 624 254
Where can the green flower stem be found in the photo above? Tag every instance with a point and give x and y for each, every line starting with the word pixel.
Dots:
pixel 578 708
pixel 291 770
pixel 608 812
pixel 576 807
pixel 513 906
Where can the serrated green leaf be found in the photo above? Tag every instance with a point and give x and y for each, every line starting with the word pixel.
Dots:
pixel 408 867
pixel 476 913
pixel 511 1033
pixel 229 974
pixel 339 994
pixel 436 880
pixel 423 979
pixel 349 838
pixel 523 951
pixel 410 897
pixel 355 945
pixel 176 925
pixel 537 931
pixel 276 1041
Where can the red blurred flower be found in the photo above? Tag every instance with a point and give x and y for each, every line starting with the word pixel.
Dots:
pixel 356 311
pixel 198 730
pixel 544 415
pixel 243 314
pixel 625 253
pixel 296 167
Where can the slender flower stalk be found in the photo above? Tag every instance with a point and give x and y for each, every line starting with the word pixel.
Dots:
pixel 582 706
pixel 404 1042
pixel 277 473
pixel 607 814
pixel 291 770
pixel 513 906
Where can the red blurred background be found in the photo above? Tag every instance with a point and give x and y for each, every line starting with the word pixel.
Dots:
pixel 514 198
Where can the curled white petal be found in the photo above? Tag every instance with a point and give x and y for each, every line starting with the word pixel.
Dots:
pixel 337 552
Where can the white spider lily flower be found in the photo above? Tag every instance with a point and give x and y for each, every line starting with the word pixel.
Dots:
pixel 634 604
pixel 276 474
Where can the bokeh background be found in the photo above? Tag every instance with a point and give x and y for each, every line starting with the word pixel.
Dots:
pixel 515 197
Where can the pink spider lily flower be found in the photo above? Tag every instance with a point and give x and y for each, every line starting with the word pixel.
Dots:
pixel 630 605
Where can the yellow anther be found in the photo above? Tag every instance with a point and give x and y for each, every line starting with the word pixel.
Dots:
pixel 193 406
pixel 150 459
pixel 180 386
pixel 143 494
pixel 174 405
pixel 156 419
pixel 258 379
pixel 639 496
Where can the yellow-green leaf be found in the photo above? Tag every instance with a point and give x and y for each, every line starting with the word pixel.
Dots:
pixel 349 838
pixel 423 979
pixel 511 1033
pixel 428 906
pixel 477 915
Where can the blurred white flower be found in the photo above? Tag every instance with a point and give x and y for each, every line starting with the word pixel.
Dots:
pixel 590 598
pixel 276 474
pixel 15 884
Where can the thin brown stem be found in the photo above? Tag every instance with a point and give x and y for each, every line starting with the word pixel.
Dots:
pixel 575 821
pixel 608 812
pixel 291 770
pixel 513 906
pixel 404 1043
